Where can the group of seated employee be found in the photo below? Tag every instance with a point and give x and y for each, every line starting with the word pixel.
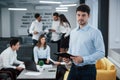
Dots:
pixel 41 52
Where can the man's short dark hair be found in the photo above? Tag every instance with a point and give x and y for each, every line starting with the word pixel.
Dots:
pixel 55 14
pixel 83 8
pixel 37 15
pixel 13 41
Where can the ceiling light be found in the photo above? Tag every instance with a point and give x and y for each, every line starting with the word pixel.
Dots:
pixel 50 2
pixel 68 5
pixel 61 8
pixel 43 7
pixel 64 10
pixel 22 9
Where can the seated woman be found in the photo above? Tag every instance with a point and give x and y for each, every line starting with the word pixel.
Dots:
pixel 42 51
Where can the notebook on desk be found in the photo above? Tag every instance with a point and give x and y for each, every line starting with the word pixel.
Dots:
pixel 30 65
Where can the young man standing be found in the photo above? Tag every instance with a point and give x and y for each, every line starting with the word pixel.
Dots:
pixel 9 57
pixel 36 28
pixel 55 38
pixel 87 46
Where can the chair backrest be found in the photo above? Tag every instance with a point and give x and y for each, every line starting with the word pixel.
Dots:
pixel 101 64
pixel 1 63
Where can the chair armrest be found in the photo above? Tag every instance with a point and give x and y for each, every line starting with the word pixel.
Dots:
pixel 110 65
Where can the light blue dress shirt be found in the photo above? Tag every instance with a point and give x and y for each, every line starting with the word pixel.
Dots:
pixel 88 43
pixel 40 53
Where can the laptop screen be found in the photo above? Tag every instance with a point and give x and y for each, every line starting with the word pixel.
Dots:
pixel 30 65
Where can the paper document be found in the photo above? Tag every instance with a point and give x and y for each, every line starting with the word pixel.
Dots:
pixel 52 60
pixel 22 65
pixel 32 73
pixel 47 66
pixel 44 66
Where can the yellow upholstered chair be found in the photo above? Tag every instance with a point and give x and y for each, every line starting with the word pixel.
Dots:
pixel 105 70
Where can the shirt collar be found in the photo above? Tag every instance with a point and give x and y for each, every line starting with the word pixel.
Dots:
pixel 11 49
pixel 36 20
pixel 56 21
pixel 85 28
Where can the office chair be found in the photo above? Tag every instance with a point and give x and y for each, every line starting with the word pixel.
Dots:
pixel 5 75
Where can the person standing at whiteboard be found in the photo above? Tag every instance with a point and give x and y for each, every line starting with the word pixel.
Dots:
pixel 36 28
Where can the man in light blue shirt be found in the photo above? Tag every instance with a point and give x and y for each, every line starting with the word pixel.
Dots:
pixel 86 44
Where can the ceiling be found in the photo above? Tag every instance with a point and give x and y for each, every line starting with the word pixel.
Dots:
pixel 19 3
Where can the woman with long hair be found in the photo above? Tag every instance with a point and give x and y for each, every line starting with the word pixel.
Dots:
pixel 65 29
pixel 42 51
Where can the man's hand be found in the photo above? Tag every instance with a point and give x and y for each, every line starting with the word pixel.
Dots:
pixel 19 68
pixel 77 59
pixel 52 30
pixel 57 63
pixel 47 61
pixel 35 32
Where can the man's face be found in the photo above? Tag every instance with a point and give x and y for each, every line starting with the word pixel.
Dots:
pixel 82 17
pixel 17 46
pixel 55 18
pixel 39 18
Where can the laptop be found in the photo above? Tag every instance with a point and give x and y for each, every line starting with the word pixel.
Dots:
pixel 30 65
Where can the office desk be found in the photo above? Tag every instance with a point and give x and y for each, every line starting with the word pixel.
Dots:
pixel 46 74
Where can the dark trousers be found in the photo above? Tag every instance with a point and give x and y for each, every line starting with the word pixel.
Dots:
pixel 4 75
pixel 14 72
pixel 34 42
pixel 58 44
pixel 87 72
pixel 64 42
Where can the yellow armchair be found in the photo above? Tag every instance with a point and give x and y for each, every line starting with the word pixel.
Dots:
pixel 105 70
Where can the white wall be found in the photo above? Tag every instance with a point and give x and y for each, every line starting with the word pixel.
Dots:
pixel 17 30
pixel 5 20
pixel 71 16
pixel 114 24
pixel 93 4
pixel 0 24
pixel 12 23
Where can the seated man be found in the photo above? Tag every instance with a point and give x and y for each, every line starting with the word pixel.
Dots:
pixel 62 68
pixel 9 57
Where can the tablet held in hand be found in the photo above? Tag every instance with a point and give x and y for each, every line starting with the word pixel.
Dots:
pixel 66 55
